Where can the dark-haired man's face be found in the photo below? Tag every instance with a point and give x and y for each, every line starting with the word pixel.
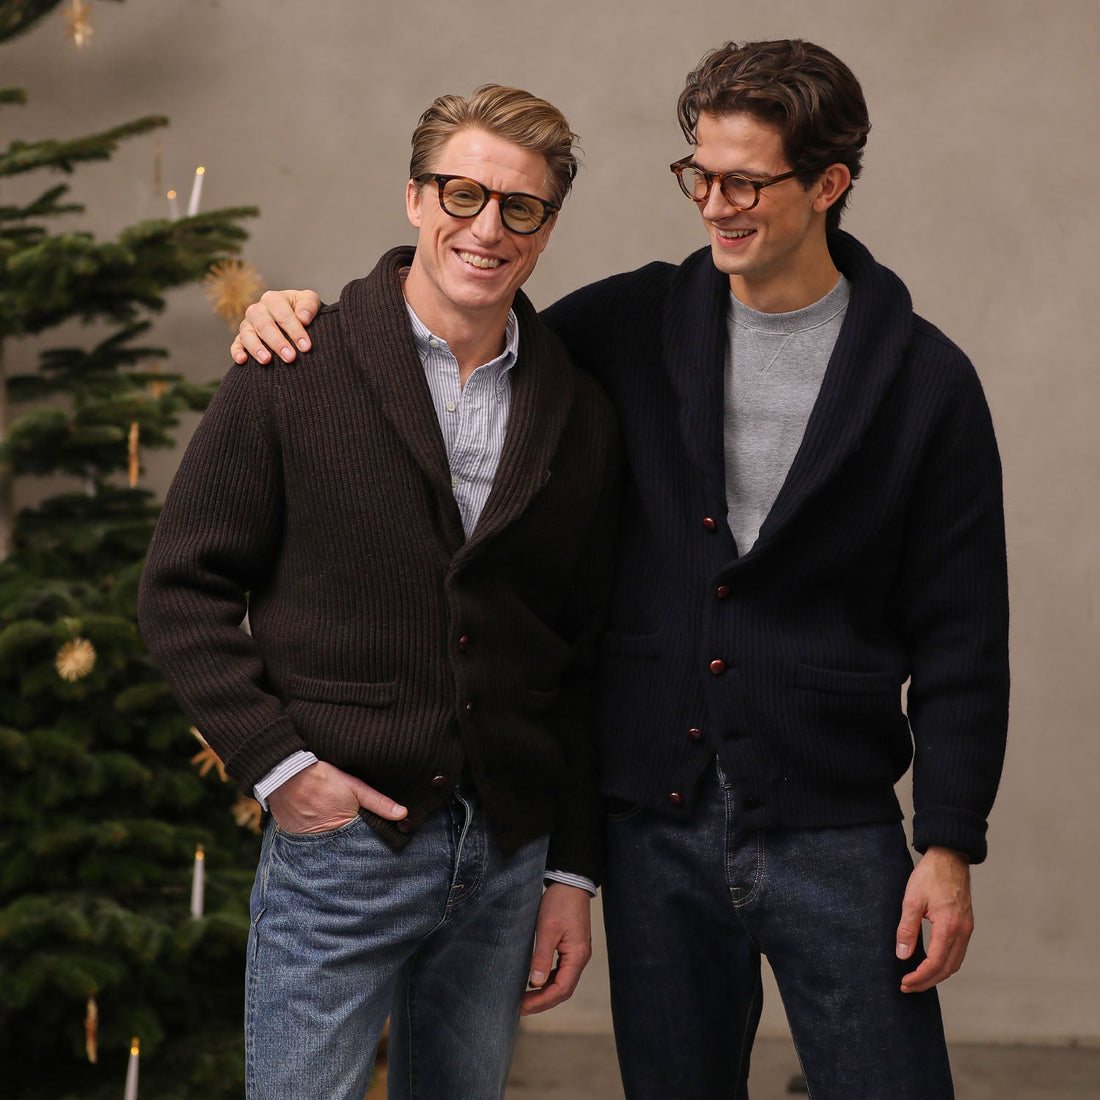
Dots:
pixel 774 250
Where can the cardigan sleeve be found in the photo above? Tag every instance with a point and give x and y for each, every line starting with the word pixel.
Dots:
pixel 217 539
pixel 576 841
pixel 954 604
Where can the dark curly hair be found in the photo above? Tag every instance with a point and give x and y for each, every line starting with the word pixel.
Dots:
pixel 807 93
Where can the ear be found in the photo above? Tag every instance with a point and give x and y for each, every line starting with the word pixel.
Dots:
pixel 412 202
pixel 831 185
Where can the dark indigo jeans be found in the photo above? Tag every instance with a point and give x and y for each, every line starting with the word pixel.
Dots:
pixel 346 932
pixel 691 906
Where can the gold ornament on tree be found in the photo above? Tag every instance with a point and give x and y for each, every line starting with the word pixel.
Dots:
pixel 231 286
pixel 79 27
pixel 206 758
pixel 75 659
pixel 247 813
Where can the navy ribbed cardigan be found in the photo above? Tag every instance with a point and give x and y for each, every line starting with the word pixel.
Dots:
pixel 384 641
pixel 882 559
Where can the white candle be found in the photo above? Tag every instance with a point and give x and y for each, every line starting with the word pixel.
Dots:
pixel 132 1070
pixel 173 206
pixel 196 193
pixel 197 883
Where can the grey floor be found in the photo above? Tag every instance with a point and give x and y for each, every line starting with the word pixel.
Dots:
pixel 583 1067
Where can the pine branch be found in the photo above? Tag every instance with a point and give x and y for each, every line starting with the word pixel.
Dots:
pixel 71 275
pixel 23 156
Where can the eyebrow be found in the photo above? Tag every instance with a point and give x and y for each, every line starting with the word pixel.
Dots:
pixel 745 173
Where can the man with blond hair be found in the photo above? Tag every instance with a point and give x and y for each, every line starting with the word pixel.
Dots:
pixel 419 530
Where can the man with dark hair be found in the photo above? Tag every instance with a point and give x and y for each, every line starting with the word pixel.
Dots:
pixel 420 529
pixel 813 518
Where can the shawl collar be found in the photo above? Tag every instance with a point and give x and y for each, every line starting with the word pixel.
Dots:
pixel 694 336
pixel 868 354
pixel 376 328
pixel 869 351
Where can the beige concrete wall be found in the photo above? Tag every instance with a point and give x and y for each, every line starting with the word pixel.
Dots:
pixel 980 189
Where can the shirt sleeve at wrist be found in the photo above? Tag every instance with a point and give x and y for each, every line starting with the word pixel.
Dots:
pixel 287 769
pixel 571 880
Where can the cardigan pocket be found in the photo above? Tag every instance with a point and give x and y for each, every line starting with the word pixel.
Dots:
pixel 842 681
pixel 346 692
pixel 849 728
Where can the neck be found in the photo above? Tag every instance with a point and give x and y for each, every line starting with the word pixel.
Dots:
pixel 805 281
pixel 474 336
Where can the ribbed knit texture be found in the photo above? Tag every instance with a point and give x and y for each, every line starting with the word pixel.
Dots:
pixel 882 558
pixel 381 639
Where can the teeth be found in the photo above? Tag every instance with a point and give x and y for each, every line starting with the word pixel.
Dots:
pixel 734 234
pixel 479 261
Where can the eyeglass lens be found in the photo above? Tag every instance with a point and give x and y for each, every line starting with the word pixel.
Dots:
pixel 465 198
pixel 738 191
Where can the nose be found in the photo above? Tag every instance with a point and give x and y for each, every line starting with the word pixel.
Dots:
pixel 487 226
pixel 717 205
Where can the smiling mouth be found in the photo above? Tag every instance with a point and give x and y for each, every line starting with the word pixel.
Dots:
pixel 485 262
pixel 734 234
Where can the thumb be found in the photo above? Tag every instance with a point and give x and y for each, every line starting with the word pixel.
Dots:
pixel 378 803
pixel 542 960
pixel 908 930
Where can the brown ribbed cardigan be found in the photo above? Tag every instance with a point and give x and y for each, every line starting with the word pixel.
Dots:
pixel 318 496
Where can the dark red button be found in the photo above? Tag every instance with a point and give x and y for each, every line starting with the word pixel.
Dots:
pixel 439 781
pixel 676 798
pixel 404 826
pixel 718 667
pixel 723 591
pixel 464 642
pixel 694 734
pixel 469 707
pixel 710 523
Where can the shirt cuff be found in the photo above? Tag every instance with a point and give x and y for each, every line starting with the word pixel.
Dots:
pixel 571 880
pixel 287 769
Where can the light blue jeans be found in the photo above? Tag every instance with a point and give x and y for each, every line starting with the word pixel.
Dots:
pixel 346 932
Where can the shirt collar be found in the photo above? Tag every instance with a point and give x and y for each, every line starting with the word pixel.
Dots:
pixel 423 337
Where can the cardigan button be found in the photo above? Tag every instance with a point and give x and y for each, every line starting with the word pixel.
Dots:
pixel 464 643
pixel 718 666
pixel 710 523
pixel 676 799
pixel 695 734
pixel 723 592
pixel 439 781
pixel 469 706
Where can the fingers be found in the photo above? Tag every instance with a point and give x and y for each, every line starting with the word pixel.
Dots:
pixel 946 951
pixel 563 928
pixel 276 322
pixel 939 891
pixel 321 797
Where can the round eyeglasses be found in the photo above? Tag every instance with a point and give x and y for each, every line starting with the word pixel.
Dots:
pixel 466 198
pixel 738 190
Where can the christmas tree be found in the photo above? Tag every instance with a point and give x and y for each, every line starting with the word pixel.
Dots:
pixel 105 794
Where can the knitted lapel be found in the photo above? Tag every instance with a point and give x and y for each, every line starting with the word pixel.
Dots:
pixel 868 354
pixel 377 329
pixel 543 386
pixel 694 336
